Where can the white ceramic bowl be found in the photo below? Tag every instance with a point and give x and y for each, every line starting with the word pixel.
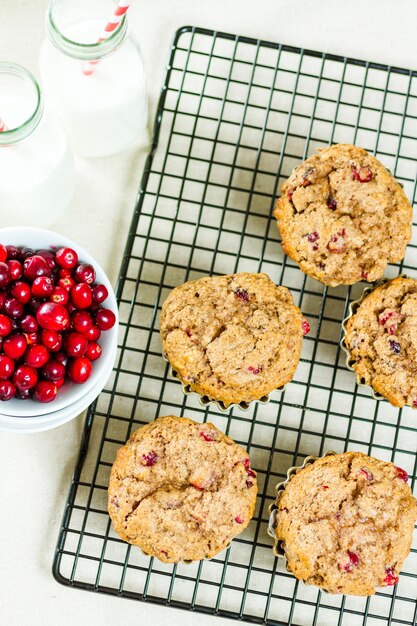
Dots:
pixel 70 393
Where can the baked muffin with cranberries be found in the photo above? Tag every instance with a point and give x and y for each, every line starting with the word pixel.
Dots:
pixel 232 338
pixel 346 523
pixel 343 217
pixel 180 490
pixel 381 338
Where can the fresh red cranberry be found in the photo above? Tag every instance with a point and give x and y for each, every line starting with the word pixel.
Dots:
pixel 25 377
pixel 395 346
pixel 81 296
pixel 75 344
pixel 52 316
pixel 365 473
pixel 51 340
pixel 15 346
pixel 401 474
pixel 93 333
pixel 36 356
pixel 59 295
pixel 84 273
pixel 239 519
pixel 6 366
pixel 207 435
pixel 25 253
pixel 105 319
pixel 13 252
pixel 241 294
pixel 49 258
pixel 361 174
pixel 35 266
pixel 62 358
pixel 331 203
pixel 79 370
pixel 81 321
pixel 71 308
pixel 3 296
pixel 53 370
pixel 351 561
pixel 13 308
pixel 5 276
pixel 66 258
pixel 42 287
pixel 305 326
pixel 63 273
pixel 45 391
pixel 7 390
pixel 149 459
pixel 100 293
pixel 59 383
pixel 66 283
pixel 5 325
pixel 3 253
pixel 29 324
pixel 255 370
pixel 93 351
pixel 32 338
pixel 391 578
pixel 15 268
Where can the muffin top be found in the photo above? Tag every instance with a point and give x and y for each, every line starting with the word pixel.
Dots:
pixel 346 521
pixel 181 490
pixel 342 216
pixel 381 338
pixel 232 338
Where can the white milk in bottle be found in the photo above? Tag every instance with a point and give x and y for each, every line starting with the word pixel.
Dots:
pixel 36 166
pixel 105 110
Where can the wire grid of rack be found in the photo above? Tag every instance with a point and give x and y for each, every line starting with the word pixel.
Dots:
pixel 235 116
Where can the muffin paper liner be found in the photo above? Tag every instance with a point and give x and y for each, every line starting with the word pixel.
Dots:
pixel 206 401
pixel 277 548
pixel 353 307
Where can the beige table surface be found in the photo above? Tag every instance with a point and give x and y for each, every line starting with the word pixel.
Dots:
pixel 36 469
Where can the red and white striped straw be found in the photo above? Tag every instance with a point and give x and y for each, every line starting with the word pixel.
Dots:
pixel 3 126
pixel 110 27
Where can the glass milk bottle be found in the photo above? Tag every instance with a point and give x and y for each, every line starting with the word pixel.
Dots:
pixel 97 87
pixel 36 167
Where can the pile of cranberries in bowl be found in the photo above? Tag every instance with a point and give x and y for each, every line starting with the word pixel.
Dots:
pixel 52 313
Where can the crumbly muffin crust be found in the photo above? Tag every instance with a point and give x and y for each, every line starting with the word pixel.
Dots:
pixel 232 338
pixel 381 338
pixel 342 216
pixel 181 490
pixel 346 523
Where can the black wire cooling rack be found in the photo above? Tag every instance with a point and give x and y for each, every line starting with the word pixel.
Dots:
pixel 235 116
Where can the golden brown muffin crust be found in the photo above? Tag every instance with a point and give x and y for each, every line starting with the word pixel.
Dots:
pixel 342 216
pixel 181 490
pixel 232 338
pixel 381 338
pixel 346 521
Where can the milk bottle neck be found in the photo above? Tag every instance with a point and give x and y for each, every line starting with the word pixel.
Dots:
pixel 62 14
pixel 21 103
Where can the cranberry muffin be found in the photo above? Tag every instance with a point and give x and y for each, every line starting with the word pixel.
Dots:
pixel 180 490
pixel 345 522
pixel 232 338
pixel 343 217
pixel 381 338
